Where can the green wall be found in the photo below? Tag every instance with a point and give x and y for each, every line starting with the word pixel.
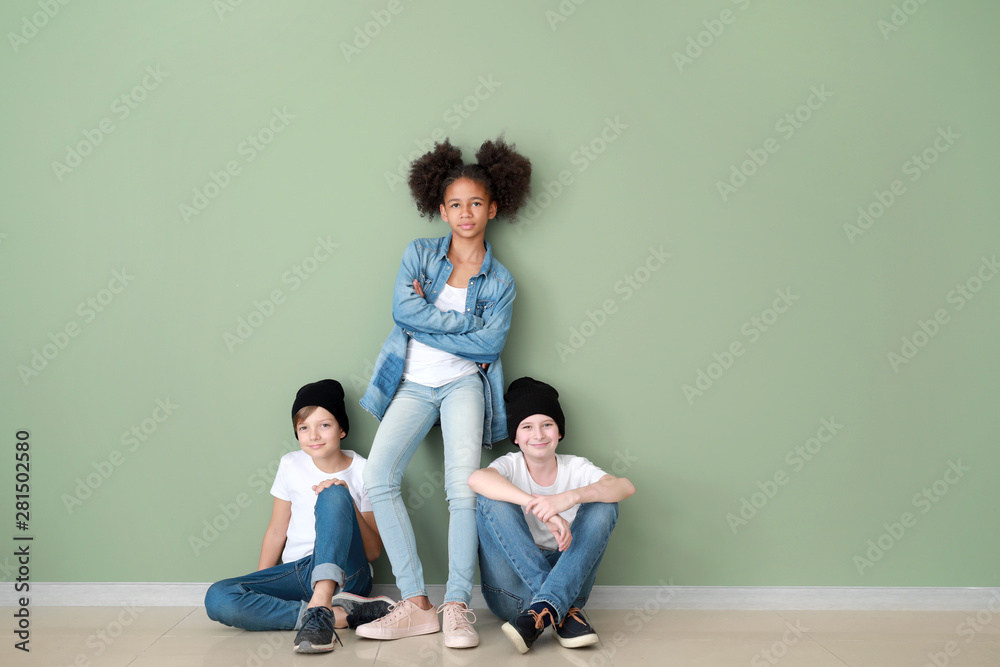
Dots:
pixel 692 276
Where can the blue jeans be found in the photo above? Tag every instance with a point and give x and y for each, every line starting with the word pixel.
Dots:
pixel 276 598
pixel 517 574
pixel 414 409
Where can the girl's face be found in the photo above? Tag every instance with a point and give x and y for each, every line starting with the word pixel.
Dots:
pixel 467 208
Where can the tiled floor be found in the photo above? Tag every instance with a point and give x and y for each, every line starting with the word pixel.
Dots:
pixel 184 636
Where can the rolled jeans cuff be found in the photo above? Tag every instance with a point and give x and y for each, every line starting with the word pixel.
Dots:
pixel 330 571
pixel 302 613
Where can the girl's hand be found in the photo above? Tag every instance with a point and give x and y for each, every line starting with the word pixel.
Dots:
pixel 327 483
pixel 417 288
pixel 547 507
pixel 560 530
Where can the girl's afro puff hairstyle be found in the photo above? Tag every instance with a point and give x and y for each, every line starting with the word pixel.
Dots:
pixel 505 173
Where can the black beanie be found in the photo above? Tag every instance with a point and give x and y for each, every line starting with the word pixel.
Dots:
pixel 527 396
pixel 326 394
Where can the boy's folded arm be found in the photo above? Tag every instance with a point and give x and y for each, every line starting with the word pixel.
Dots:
pixel 490 483
pixel 608 489
pixel 275 535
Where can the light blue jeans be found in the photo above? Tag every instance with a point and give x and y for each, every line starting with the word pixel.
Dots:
pixel 413 411
pixel 276 598
pixel 517 574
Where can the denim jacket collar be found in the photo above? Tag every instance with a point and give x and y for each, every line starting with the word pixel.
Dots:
pixel 484 269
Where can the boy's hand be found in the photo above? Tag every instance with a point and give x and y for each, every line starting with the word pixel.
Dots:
pixel 546 507
pixel 560 530
pixel 327 483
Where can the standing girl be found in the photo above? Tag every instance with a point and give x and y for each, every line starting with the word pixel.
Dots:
pixel 452 303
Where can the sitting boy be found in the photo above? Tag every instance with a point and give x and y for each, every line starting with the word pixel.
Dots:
pixel 322 527
pixel 538 564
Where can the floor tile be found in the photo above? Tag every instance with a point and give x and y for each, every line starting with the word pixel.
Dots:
pixel 748 649
pixel 906 653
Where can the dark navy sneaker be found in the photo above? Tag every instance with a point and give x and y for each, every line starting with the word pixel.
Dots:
pixel 316 634
pixel 528 626
pixel 360 609
pixel 575 631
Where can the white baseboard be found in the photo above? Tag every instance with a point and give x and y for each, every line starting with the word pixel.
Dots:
pixel 602 597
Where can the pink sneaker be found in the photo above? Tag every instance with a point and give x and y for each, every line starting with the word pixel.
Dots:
pixel 404 619
pixel 458 630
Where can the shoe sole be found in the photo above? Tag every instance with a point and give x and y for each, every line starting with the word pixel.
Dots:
pixel 307 647
pixel 515 637
pixel 577 642
pixel 387 634
pixel 461 642
pixel 361 599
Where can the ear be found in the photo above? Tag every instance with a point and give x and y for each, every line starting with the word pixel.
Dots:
pixel 444 212
pixel 342 434
pixel 493 210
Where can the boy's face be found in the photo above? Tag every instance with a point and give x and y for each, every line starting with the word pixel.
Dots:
pixel 319 433
pixel 537 436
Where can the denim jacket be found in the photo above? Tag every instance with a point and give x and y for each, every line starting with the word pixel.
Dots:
pixel 478 334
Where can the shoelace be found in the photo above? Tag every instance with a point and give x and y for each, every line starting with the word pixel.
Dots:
pixel 458 619
pixel 540 618
pixel 396 609
pixel 323 621
pixel 573 612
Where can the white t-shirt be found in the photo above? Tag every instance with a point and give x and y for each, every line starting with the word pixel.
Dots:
pixel 296 476
pixel 430 366
pixel 573 472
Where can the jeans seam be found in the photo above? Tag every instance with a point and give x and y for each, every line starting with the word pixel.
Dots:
pixel 506 551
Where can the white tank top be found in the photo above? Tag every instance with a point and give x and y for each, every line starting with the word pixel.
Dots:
pixel 430 366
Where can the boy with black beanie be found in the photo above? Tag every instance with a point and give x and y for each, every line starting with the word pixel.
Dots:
pixel 544 522
pixel 323 532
